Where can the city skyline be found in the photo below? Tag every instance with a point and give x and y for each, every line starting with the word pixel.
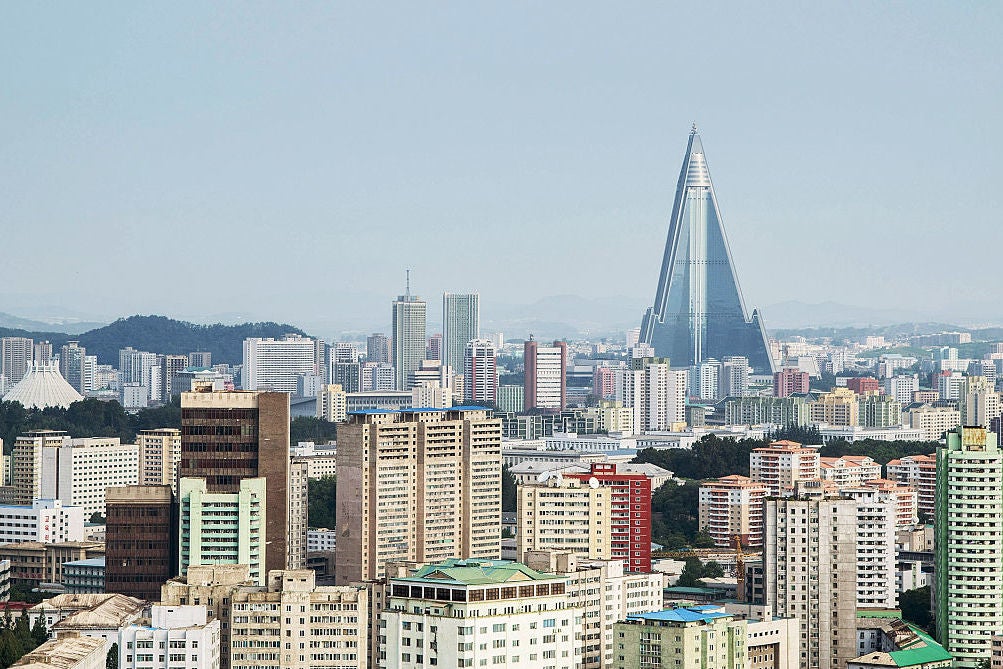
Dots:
pixel 842 133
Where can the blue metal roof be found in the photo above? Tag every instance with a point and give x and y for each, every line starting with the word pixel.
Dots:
pixel 688 615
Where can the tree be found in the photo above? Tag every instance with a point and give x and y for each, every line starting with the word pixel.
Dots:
pixel 308 428
pixel 322 499
pixel 111 660
pixel 509 493
pixel 22 630
pixel 10 648
pixel 691 575
pixel 38 631
pixel 703 540
pixel 915 605
pixel 97 517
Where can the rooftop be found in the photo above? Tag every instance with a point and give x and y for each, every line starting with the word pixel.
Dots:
pixel 683 615
pixel 42 387
pixel 62 653
pixel 92 610
pixel 477 572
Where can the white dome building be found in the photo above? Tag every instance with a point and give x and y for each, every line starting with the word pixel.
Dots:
pixel 43 386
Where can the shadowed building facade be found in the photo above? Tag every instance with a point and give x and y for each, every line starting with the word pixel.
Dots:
pixel 698 311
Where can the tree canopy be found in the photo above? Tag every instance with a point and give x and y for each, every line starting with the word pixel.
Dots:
pixel 322 497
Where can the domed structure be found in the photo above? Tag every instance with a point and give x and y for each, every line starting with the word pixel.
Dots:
pixel 43 386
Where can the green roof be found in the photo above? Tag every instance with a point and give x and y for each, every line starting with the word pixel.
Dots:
pixel 921 651
pixel 879 613
pixel 477 572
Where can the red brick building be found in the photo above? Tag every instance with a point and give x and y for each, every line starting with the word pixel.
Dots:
pixel 630 523
pixel 863 384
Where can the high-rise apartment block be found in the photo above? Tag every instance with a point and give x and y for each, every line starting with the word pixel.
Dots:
pixel 159 455
pixel 227 437
pixel 141 542
pixel 810 562
pixel 733 378
pixel 332 403
pixel 933 420
pixel 408 337
pixel 654 392
pixel 790 410
pixel 433 351
pixel 545 370
pixel 564 514
pixel 16 355
pixel 790 381
pixel 378 348
pixel 838 407
pixel 782 464
pixel 461 323
pixel 918 472
pixel 293 623
pixel 200 359
pixel 604 382
pixel 630 513
pixel 968 544
pixel 732 507
pixel 480 373
pixel 224 527
pixel 417 486
pixel 71 365
pixel 275 364
pixel 979 402
pixel 51 465
pixel 900 387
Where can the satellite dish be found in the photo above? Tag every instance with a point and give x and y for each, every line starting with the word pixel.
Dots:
pixel 593 483
pixel 542 477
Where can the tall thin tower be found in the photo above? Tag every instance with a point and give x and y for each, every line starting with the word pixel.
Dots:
pixel 461 323
pixel 698 311
pixel 408 334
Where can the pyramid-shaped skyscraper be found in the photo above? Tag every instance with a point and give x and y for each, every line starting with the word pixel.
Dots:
pixel 699 312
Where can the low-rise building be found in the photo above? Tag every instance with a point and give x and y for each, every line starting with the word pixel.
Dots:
pixel 175 637
pixel 101 616
pixel 84 576
pixel 321 539
pixel 66 652
pixel 849 470
pixel 321 460
pixel 33 564
pixel 45 521
pixel 890 642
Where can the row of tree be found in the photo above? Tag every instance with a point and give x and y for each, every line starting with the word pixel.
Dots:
pixel 95 418
pixel 18 636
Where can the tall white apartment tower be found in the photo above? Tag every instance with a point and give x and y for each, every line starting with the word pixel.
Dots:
pixel 461 322
pixel 654 392
pixel 810 563
pixel 480 373
pixel 408 336
pixel 275 364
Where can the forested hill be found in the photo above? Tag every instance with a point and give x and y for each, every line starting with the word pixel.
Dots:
pixel 159 334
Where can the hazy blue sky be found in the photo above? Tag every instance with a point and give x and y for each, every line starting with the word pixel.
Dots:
pixel 288 160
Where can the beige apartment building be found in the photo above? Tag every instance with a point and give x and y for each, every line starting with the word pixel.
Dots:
pixel 565 514
pixel 295 624
pixel 919 472
pixel 782 464
pixel 159 455
pixel 838 407
pixel 418 486
pixel 934 421
pixel 849 470
pixel 730 507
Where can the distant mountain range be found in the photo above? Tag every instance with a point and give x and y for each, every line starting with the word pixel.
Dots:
pixel 69 326
pixel 159 334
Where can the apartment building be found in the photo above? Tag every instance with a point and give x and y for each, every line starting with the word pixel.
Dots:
pixel 731 507
pixel 919 472
pixel 159 456
pixel 565 515
pixel 782 464
pixel 849 470
pixel 177 637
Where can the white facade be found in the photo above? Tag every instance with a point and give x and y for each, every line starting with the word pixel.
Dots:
pixel 45 521
pixel 655 393
pixel 321 461
pixel 332 403
pixel 431 395
pixel 876 566
pixel 480 373
pixel 275 364
pixel 321 539
pixel 849 470
pixel 549 376
pixel 901 387
pixel 179 637
pixel 159 456
pixel 408 337
pixel 78 471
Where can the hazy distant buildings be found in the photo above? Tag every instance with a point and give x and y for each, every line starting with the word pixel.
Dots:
pixel 654 392
pixel 698 312
pixel 378 348
pixel 274 364
pixel 461 323
pixel 200 359
pixel 544 381
pixel 16 355
pixel 408 337
pixel 71 365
